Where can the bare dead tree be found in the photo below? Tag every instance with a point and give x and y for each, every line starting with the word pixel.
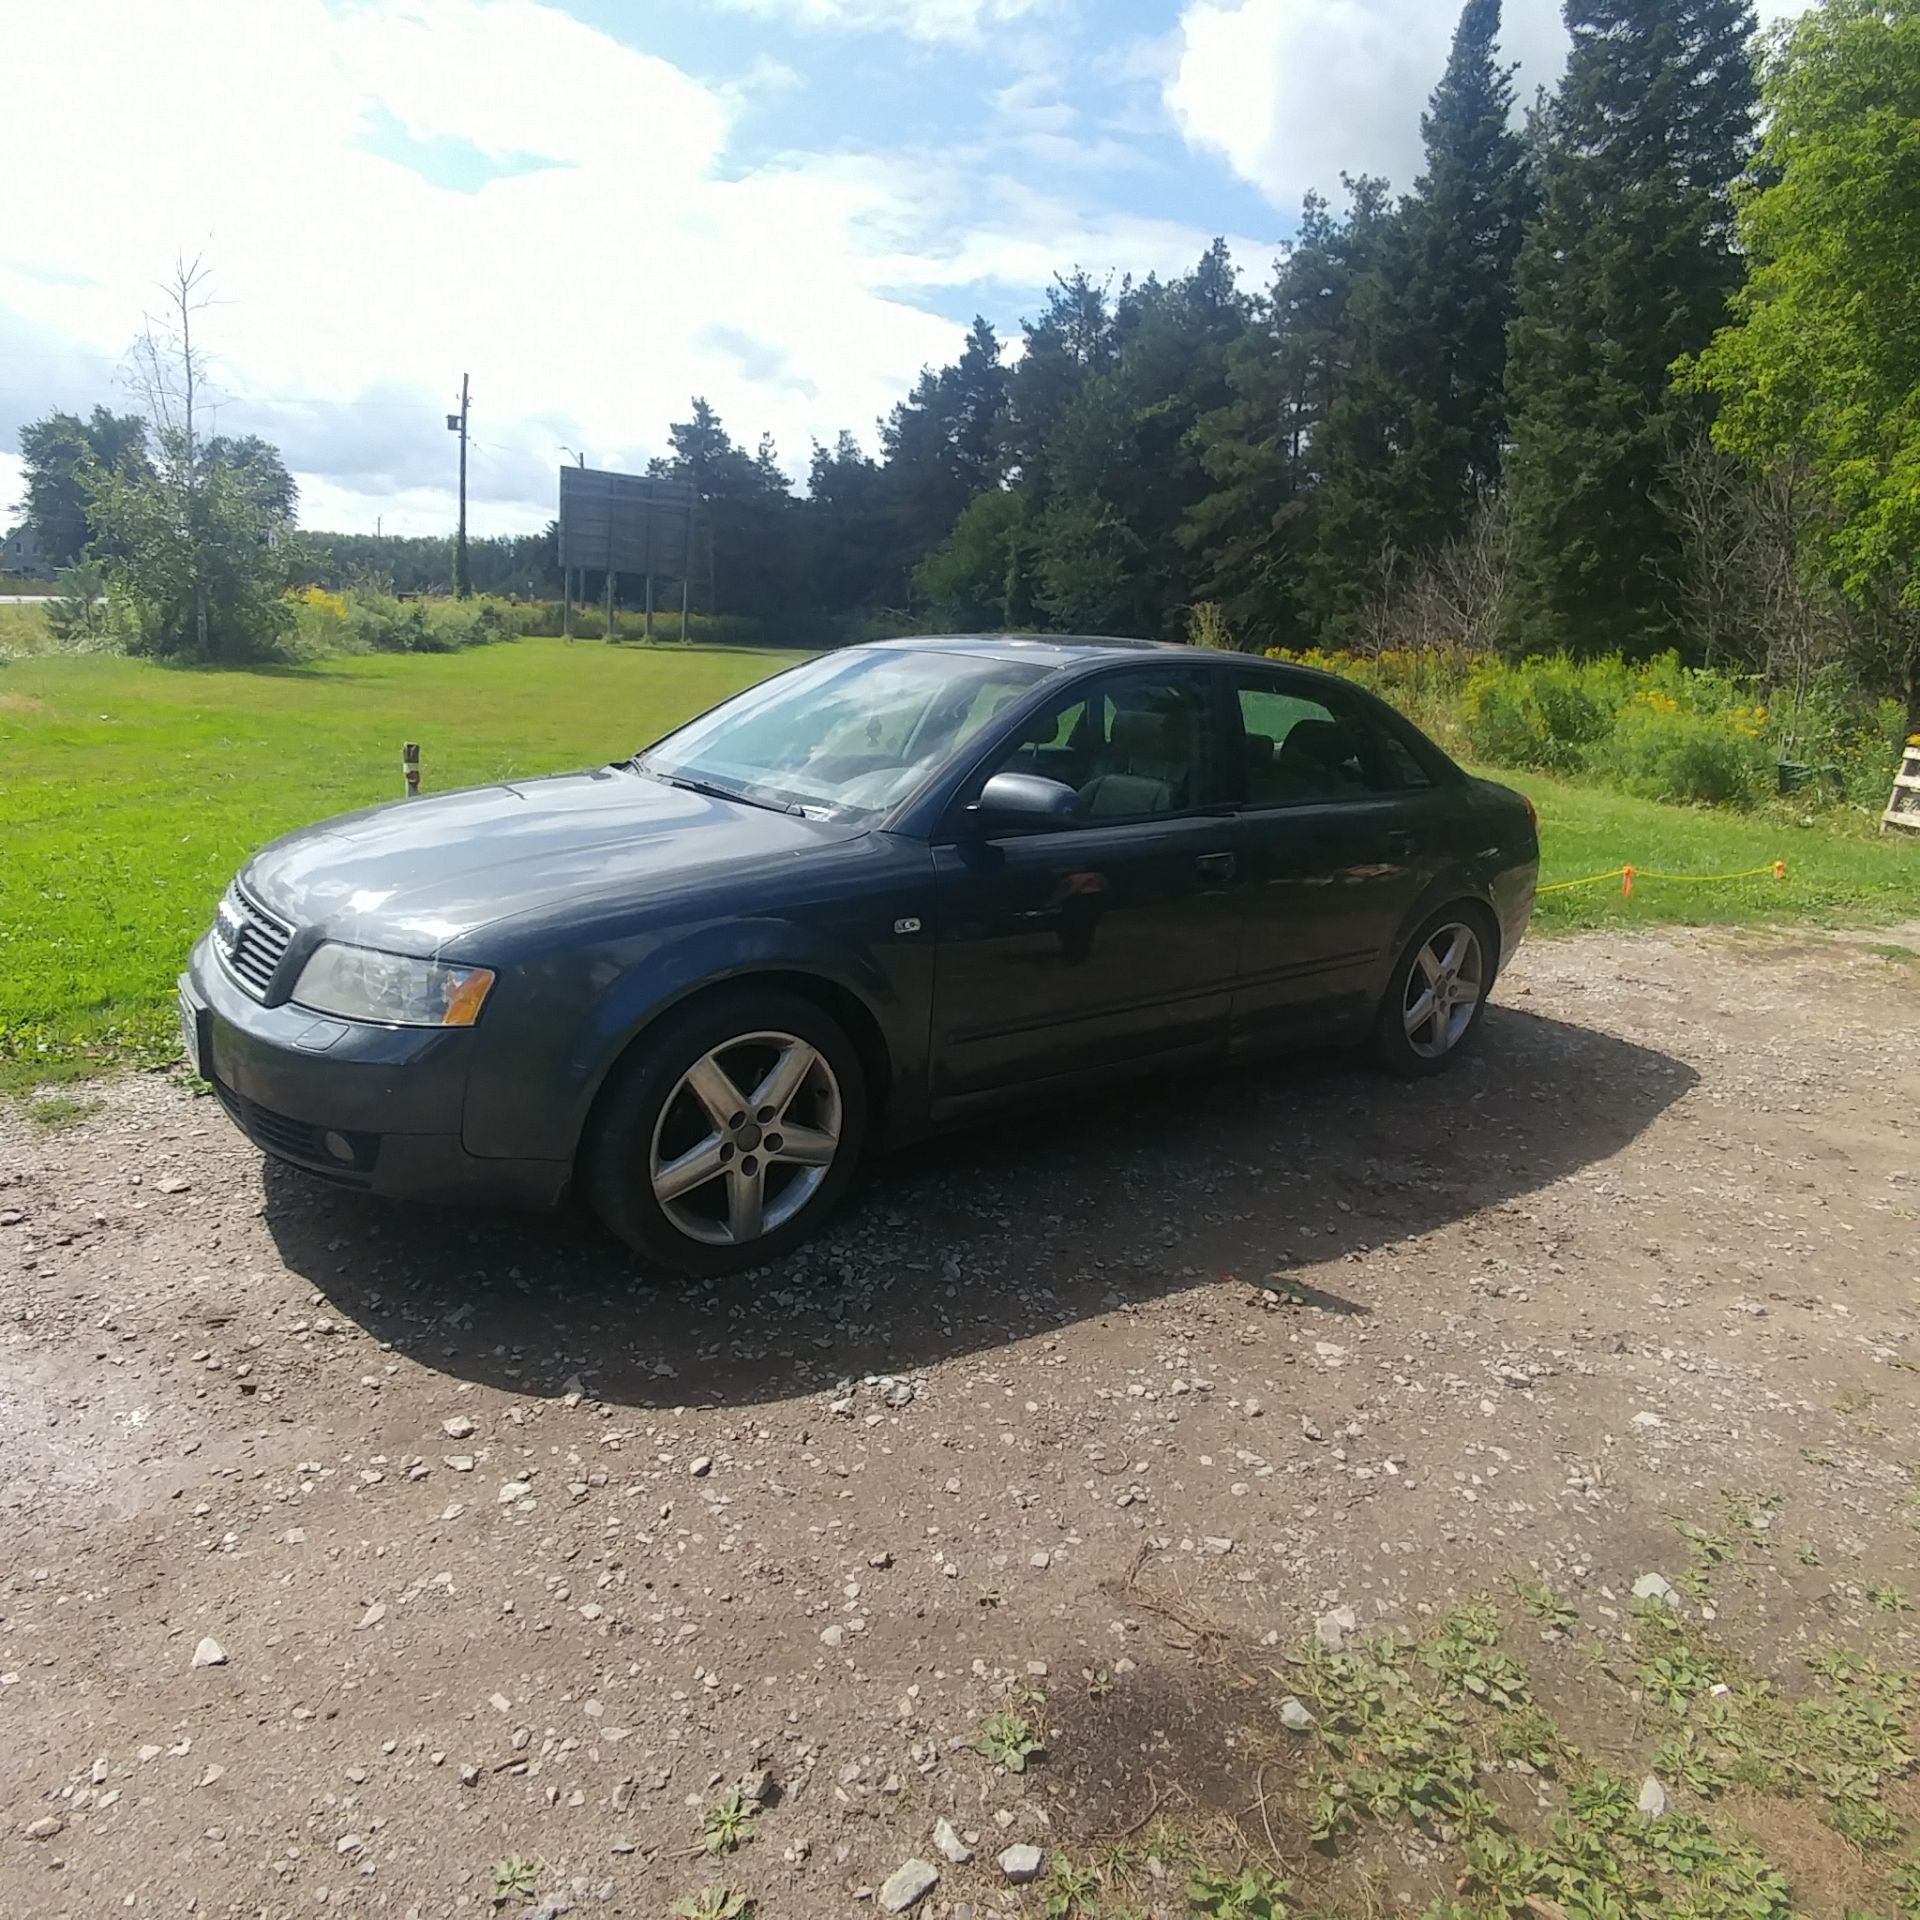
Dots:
pixel 1755 600
pixel 168 372
pixel 1449 601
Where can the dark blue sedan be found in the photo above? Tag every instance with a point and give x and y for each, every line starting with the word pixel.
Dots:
pixel 894 888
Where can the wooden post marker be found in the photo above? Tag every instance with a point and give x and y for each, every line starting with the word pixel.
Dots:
pixel 410 766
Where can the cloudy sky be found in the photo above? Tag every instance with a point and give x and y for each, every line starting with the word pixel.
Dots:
pixel 599 207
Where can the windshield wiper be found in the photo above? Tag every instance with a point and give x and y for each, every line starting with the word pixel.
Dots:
pixel 714 792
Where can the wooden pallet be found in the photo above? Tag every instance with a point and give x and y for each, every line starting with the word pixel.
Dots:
pixel 1903 810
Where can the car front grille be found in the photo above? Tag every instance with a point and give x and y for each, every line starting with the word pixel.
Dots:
pixel 250 941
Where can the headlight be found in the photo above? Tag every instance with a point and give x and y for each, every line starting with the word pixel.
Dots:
pixel 355 983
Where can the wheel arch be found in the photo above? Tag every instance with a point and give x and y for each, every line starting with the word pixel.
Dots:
pixel 1435 906
pixel 833 998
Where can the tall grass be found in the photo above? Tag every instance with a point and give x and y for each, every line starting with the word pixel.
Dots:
pixel 1656 729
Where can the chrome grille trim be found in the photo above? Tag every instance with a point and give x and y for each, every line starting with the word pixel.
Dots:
pixel 251 943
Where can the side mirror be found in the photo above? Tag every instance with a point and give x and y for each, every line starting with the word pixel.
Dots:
pixel 1010 801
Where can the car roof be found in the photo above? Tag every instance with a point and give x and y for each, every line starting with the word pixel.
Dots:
pixel 1047 649
pixel 1061 650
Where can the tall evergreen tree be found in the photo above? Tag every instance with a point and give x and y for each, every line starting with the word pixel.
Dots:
pixel 1628 268
pixel 942 445
pixel 1250 532
pixel 740 535
pixel 1419 427
pixel 55 455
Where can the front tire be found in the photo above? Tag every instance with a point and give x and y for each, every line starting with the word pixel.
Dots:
pixel 1438 993
pixel 730 1133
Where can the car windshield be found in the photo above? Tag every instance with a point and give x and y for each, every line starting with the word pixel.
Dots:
pixel 852 733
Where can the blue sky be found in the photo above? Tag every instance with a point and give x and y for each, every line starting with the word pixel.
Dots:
pixel 600 207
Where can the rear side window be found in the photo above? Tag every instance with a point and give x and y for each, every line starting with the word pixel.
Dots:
pixel 1299 747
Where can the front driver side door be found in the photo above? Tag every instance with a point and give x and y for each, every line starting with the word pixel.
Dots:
pixel 1110 939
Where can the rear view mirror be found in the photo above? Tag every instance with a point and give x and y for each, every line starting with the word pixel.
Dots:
pixel 1013 800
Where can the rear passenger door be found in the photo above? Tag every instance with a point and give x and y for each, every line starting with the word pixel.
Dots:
pixel 1334 853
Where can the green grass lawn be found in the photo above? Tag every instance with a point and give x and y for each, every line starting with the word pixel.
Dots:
pixel 1841 871
pixel 130 793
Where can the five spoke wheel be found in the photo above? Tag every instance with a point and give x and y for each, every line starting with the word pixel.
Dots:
pixel 746 1138
pixel 1444 987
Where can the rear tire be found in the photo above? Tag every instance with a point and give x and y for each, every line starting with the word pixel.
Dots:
pixel 730 1132
pixel 1438 993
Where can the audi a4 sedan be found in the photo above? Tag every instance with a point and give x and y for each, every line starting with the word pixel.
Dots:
pixel 894 888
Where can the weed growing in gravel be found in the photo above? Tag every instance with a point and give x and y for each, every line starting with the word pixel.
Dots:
pixel 1009 1740
pixel 1251 1894
pixel 729 1824
pixel 1071 1891
pixel 1752 1512
pixel 515 1878
pixel 1546 1606
pixel 1889 1599
pixel 58 1111
pixel 714 1903
pixel 1466 1655
pixel 1417 1730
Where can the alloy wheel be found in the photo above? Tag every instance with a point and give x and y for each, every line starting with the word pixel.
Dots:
pixel 1443 990
pixel 746 1138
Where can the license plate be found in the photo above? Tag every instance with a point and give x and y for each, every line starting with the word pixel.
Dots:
pixel 190 1036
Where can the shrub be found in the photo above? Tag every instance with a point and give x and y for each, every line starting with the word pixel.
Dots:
pixel 1662 752
pixel 80 618
pixel 322 621
pixel 392 626
pixel 1499 725
pixel 1207 627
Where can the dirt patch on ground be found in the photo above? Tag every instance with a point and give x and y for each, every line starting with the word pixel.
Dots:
pixel 511 1553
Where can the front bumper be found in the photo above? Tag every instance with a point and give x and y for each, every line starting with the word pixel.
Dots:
pixel 377 1108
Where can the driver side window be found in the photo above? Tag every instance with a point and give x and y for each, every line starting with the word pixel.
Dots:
pixel 1131 746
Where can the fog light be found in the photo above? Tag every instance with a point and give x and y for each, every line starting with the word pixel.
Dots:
pixel 340 1147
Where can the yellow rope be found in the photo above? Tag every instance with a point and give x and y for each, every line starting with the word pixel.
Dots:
pixel 1775 867
pixel 1593 880
pixel 1644 873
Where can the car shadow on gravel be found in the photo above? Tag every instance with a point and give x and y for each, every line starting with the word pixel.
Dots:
pixel 983 1239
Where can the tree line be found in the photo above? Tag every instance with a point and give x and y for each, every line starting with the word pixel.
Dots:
pixel 1635 370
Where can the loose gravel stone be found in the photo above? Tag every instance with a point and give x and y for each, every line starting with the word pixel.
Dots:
pixel 1021 1863
pixel 907 1885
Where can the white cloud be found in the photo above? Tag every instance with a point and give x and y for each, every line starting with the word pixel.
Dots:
pixel 1291 93
pixel 614 266
pixel 962 22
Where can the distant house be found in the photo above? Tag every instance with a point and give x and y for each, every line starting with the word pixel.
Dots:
pixel 21 556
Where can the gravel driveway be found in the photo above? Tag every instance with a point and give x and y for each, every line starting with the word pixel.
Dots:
pixel 496 1550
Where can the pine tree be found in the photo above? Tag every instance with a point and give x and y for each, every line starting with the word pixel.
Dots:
pixel 1417 432
pixel 1248 534
pixel 1628 268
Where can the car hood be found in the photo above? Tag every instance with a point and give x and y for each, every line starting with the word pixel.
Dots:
pixel 419 874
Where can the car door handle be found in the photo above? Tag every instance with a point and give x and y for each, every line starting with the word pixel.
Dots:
pixel 1401 845
pixel 1217 866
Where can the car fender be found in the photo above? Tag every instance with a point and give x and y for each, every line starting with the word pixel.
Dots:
pixel 536 1081
pixel 1477 880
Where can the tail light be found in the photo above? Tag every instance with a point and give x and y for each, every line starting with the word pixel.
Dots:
pixel 1533 815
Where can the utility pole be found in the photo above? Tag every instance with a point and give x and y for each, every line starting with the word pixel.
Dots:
pixel 457 423
pixel 566 573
